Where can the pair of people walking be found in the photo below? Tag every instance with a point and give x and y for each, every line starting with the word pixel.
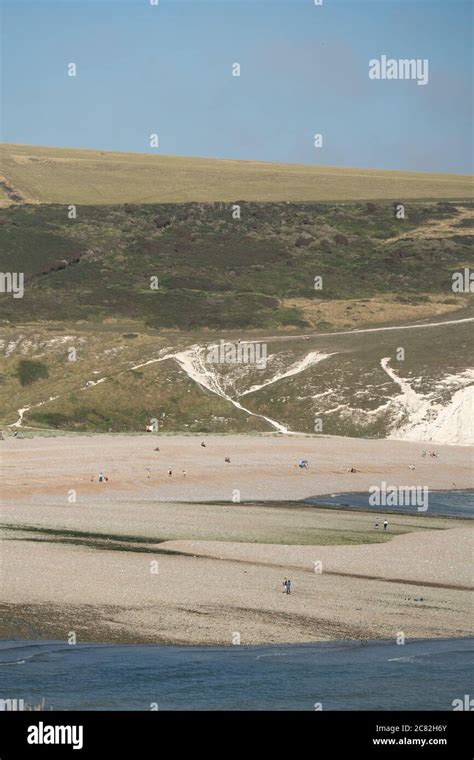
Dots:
pixel 287 586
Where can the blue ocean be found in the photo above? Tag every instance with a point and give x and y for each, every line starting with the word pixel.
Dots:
pixel 347 675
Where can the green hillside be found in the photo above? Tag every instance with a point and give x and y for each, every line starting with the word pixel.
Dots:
pixel 193 266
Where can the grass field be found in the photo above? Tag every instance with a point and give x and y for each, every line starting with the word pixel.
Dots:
pixel 63 175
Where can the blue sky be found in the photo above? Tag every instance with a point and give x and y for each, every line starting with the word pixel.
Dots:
pixel 167 69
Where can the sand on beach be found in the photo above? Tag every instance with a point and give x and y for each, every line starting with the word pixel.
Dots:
pixel 138 559
pixel 262 467
pixel 51 590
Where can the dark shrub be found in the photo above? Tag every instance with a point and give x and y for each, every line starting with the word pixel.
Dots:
pixel 29 371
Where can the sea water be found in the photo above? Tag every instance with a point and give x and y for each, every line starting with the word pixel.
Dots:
pixel 447 503
pixel 346 675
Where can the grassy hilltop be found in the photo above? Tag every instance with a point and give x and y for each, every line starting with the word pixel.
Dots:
pixel 63 175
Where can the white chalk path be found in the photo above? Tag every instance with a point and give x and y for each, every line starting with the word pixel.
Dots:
pixel 22 412
pixel 410 399
pixel 415 326
pixel 192 362
pixel 314 357
pixel 153 361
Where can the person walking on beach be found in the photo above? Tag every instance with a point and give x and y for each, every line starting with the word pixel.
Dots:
pixel 385 525
pixel 170 473
pixel 148 472
pixel 288 586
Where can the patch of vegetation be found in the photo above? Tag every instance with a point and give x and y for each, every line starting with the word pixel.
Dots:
pixel 217 272
pixel 29 372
